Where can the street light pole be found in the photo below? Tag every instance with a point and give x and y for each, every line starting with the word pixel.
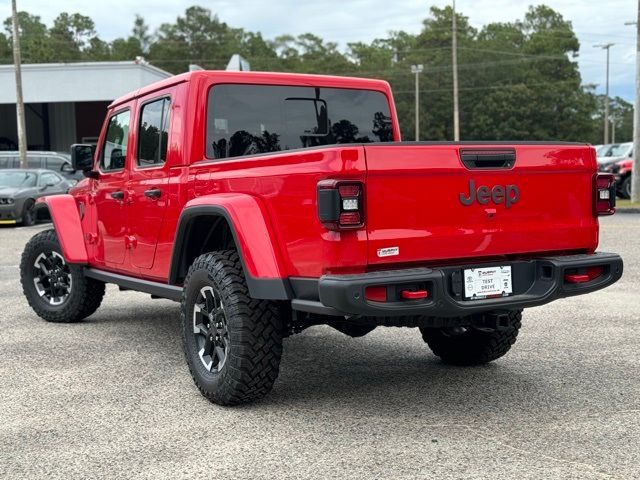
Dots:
pixel 22 137
pixel 606 46
pixel 417 70
pixel 635 171
pixel 454 62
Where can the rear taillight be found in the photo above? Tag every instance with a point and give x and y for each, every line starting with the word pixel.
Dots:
pixel 604 194
pixel 340 204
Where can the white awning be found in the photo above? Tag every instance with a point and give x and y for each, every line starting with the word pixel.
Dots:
pixel 77 82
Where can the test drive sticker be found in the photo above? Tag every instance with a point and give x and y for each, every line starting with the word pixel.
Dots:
pixel 388 252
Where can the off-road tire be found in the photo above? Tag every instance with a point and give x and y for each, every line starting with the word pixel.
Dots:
pixel 625 188
pixel 28 213
pixel 474 346
pixel 254 332
pixel 85 295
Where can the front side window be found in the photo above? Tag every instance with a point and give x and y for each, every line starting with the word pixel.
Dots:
pixel 49 179
pixel 251 119
pixel 153 134
pixel 114 150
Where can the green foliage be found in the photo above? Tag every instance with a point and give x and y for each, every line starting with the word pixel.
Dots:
pixel 517 80
pixel 33 35
pixel 620 114
pixel 5 49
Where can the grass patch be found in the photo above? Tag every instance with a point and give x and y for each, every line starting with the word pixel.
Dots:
pixel 626 204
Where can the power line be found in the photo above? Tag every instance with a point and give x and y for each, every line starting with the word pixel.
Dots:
pixel 488 87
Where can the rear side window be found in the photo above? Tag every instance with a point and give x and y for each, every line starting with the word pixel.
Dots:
pixel 114 150
pixel 34 162
pixel 153 134
pixel 251 119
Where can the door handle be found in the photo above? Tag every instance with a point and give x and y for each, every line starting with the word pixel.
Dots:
pixel 154 193
pixel 119 195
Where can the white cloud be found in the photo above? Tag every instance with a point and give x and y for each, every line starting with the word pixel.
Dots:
pixel 344 21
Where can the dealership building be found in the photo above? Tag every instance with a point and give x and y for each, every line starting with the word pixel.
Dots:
pixel 65 103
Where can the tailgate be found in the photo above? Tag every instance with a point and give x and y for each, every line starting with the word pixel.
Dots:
pixel 423 203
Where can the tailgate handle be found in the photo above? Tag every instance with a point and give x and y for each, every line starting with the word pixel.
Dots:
pixel 479 158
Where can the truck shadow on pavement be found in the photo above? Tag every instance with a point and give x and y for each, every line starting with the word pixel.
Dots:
pixel 387 370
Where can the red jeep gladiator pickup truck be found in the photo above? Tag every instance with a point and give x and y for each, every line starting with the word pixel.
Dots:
pixel 266 203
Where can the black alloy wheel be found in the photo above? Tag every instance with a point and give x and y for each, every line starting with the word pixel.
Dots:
pixel 52 278
pixel 56 290
pixel 210 329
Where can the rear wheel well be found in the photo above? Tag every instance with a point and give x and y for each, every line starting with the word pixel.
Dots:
pixel 202 234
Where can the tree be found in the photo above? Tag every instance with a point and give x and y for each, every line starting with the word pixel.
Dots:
pixel 519 80
pixel 141 33
pixel 70 35
pixel 198 37
pixel 33 39
pixel 128 49
pixel 620 113
pixel 5 49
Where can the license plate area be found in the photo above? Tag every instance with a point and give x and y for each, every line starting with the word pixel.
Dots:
pixel 487 282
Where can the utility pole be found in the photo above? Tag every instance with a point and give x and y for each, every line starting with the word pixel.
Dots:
pixel 454 62
pixel 606 46
pixel 635 171
pixel 22 136
pixel 417 70
pixel 613 129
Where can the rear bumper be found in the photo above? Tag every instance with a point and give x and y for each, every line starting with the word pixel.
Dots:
pixel 535 282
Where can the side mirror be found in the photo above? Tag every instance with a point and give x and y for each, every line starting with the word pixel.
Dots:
pixel 82 156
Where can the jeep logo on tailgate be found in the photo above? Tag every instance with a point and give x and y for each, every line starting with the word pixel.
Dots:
pixel 508 194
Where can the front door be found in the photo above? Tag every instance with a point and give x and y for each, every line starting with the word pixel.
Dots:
pixel 110 195
pixel 148 180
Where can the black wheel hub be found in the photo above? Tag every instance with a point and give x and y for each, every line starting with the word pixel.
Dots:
pixel 210 329
pixel 52 278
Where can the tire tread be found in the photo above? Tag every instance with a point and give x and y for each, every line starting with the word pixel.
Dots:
pixel 254 359
pixel 86 295
pixel 474 347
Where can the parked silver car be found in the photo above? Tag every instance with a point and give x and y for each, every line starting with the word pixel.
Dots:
pixel 19 190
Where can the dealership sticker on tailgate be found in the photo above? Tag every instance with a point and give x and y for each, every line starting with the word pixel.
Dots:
pixel 487 282
pixel 388 252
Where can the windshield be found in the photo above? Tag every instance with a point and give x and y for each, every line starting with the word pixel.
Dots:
pixel 17 179
pixel 621 150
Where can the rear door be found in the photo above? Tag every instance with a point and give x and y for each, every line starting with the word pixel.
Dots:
pixel 425 204
pixel 148 179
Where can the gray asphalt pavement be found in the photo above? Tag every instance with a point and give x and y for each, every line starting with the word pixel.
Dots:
pixel 112 397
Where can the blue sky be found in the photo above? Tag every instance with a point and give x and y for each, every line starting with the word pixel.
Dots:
pixel 344 21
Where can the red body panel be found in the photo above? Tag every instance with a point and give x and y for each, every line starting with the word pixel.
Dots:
pixel 256 238
pixel 66 220
pixel 410 192
pixel 286 184
pixel 413 203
